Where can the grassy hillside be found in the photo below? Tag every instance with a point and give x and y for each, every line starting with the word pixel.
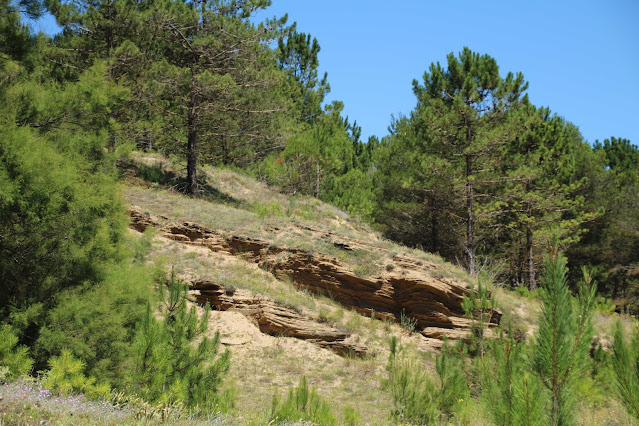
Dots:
pixel 264 365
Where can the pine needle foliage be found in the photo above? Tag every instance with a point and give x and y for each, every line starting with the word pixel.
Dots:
pixel 417 396
pixel 303 404
pixel 14 358
pixel 625 363
pixel 511 395
pixel 565 333
pixel 66 377
pixel 177 362
pixel 479 307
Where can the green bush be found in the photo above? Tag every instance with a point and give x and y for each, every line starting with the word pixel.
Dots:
pixel 603 305
pixel 351 416
pixel 98 322
pixel 59 224
pixel 302 405
pixel 14 359
pixel 66 377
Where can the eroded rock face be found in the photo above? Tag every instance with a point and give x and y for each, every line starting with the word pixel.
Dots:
pixel 412 290
pixel 273 319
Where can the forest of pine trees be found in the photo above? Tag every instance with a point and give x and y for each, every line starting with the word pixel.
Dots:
pixel 475 173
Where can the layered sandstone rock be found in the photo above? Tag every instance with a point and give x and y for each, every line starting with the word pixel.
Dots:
pixel 412 290
pixel 274 319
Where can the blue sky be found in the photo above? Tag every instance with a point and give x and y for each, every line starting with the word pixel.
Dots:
pixel 581 58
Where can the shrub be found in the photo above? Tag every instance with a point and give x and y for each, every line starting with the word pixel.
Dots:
pixel 97 322
pixel 302 404
pixel 419 397
pixel 14 359
pixel 66 377
pixel 59 223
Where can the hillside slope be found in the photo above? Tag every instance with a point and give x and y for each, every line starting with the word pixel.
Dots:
pixel 299 288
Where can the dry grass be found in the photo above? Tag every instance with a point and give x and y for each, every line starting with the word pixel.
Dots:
pixel 265 365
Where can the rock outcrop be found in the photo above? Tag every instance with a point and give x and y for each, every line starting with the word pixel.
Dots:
pixel 274 319
pixel 413 290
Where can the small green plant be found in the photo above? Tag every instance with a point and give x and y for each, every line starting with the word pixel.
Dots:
pixel 302 404
pixel 351 416
pixel 408 322
pixel 524 291
pixel 417 396
pixel 479 307
pixel 324 315
pixel 141 247
pixel 603 305
pixel 155 174
pixel 265 210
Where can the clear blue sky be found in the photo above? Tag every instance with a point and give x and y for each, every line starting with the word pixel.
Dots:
pixel 581 58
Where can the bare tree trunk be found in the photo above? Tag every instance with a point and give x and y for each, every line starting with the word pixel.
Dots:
pixel 470 223
pixel 317 180
pixel 191 155
pixel 434 229
pixel 532 283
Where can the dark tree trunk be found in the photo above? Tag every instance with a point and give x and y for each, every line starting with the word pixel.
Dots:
pixel 434 229
pixel 191 154
pixel 470 223
pixel 532 283
pixel 191 160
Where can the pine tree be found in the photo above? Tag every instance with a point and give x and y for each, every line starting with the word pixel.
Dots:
pixel 479 307
pixel 214 83
pixel 511 395
pixel 564 336
pixel 415 203
pixel 464 115
pixel 539 193
pixel 463 109
pixel 170 366
pixel 611 242
pixel 625 363
pixel 317 154
pixel 297 54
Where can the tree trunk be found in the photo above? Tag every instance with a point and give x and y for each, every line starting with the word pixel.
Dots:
pixel 434 229
pixel 470 223
pixel 191 154
pixel 317 180
pixel 532 282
